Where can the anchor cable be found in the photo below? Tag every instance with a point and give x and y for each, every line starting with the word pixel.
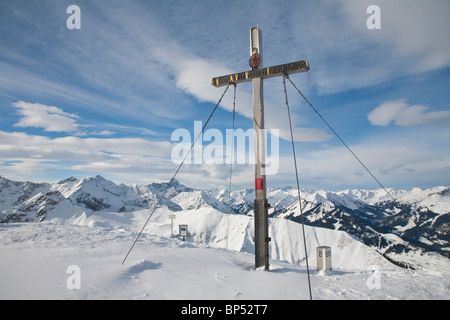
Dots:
pixel 176 172
pixel 231 160
pixel 337 135
pixel 298 186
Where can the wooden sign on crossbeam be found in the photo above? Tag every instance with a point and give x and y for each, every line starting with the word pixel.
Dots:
pixel 256 76
pixel 264 73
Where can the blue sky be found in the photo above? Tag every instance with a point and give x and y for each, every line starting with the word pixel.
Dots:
pixel 105 99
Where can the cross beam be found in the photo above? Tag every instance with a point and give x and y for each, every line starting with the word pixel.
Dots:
pixel 256 76
pixel 263 73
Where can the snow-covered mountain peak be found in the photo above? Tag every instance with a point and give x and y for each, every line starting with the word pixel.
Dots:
pixel 420 217
pixel 362 226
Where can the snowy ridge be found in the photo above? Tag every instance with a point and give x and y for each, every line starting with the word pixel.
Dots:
pixel 94 194
pixel 418 221
pixel 91 223
pixel 210 228
pixel 35 257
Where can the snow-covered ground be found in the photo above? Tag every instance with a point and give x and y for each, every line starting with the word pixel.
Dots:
pixel 81 258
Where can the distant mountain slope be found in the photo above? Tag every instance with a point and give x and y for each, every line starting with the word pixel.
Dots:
pixel 27 201
pixel 421 218
pixel 418 220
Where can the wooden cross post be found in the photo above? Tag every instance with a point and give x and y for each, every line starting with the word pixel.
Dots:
pixel 256 76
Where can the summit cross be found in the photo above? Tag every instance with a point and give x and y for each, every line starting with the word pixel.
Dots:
pixel 256 76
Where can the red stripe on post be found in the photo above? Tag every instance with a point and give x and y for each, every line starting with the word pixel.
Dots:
pixel 259 184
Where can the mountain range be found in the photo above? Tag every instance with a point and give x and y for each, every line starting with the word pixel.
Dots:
pixel 417 220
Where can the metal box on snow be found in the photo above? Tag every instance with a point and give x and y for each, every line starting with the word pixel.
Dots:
pixel 323 255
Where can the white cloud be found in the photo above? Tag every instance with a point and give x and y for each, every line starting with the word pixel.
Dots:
pixel 162 60
pixel 34 155
pixel 193 75
pixel 404 115
pixel 49 118
pixel 54 119
pixel 415 29
pixel 396 163
pixel 344 54
pixel 148 68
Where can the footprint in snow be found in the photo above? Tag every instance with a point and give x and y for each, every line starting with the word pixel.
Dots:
pixel 144 265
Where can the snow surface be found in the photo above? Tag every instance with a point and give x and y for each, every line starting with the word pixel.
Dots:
pixel 215 262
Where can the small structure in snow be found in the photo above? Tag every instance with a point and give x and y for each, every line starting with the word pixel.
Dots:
pixel 183 231
pixel 323 255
